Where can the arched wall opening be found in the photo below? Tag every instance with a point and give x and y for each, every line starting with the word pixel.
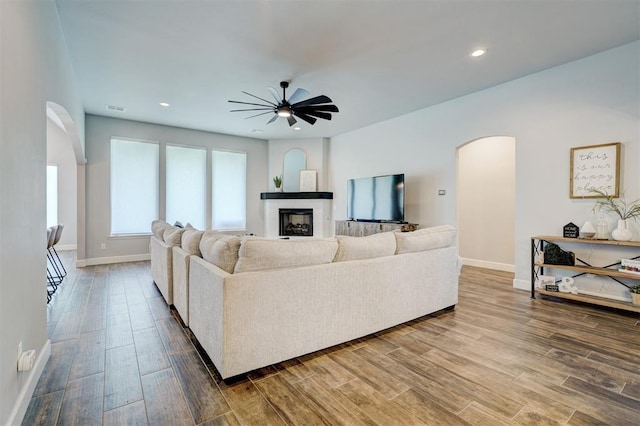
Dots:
pixel 65 150
pixel 486 190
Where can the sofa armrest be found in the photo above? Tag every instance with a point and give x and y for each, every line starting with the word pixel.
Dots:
pixel 206 307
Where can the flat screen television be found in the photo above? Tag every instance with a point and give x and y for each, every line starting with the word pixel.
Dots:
pixel 376 199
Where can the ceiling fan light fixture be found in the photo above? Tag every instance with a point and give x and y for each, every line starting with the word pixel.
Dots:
pixel 283 111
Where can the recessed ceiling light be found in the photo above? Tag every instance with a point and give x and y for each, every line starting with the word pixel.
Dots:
pixel 165 104
pixel 478 52
pixel 296 128
pixel 256 131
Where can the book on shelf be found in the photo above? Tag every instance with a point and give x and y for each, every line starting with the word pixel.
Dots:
pixel 629 266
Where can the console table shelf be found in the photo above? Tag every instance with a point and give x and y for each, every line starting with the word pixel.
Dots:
pixel 594 300
pixel 611 271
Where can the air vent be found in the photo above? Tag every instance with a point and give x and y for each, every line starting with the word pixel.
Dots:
pixel 115 108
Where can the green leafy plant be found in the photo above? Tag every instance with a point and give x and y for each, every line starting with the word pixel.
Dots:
pixel 277 181
pixel 635 289
pixel 618 206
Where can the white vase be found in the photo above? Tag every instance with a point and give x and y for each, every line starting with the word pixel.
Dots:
pixel 622 232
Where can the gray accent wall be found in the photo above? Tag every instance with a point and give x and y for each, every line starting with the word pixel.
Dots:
pixel 100 130
pixel 35 69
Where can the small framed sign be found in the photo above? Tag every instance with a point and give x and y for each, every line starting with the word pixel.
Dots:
pixel 571 230
pixel 545 281
pixel 308 180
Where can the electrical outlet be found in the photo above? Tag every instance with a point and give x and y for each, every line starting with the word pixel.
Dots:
pixel 441 192
pixel 103 246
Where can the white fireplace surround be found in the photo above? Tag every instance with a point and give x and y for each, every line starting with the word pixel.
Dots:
pixel 321 215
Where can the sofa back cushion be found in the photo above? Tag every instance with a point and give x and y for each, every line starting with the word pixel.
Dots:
pixel 220 249
pixel 191 241
pixel 173 235
pixel 257 254
pixel 157 228
pixel 425 239
pixel 376 245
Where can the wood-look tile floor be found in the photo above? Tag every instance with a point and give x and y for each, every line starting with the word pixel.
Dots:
pixel 121 356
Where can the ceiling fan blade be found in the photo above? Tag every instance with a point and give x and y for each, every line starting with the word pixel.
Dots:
pixel 324 115
pixel 298 95
pixel 258 97
pixel 253 109
pixel 257 115
pixel 328 108
pixel 274 118
pixel 275 94
pixel 291 120
pixel 322 99
pixel 305 117
pixel 251 103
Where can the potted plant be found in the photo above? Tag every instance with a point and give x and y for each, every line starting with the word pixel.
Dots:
pixel 277 181
pixel 620 208
pixel 635 294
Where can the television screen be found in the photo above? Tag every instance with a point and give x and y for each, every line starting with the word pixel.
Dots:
pixel 379 198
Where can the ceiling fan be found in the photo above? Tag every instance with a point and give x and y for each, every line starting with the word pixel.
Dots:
pixel 307 110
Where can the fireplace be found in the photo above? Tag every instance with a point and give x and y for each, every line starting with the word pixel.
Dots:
pixel 296 222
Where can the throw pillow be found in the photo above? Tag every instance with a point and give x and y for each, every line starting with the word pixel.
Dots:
pixel 173 235
pixel 257 254
pixel 376 245
pixel 425 239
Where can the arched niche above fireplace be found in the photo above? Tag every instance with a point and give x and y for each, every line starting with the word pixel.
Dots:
pixel 294 160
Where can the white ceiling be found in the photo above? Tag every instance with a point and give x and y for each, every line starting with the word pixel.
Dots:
pixel 375 59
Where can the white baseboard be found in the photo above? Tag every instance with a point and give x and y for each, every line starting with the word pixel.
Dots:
pixel 489 265
pixel 22 403
pixel 66 247
pixel 522 284
pixel 112 259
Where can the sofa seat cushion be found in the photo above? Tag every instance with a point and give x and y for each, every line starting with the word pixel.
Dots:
pixel 425 239
pixel 355 248
pixel 220 249
pixel 191 241
pixel 257 254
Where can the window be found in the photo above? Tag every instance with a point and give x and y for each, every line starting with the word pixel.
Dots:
pixel 229 175
pixel 186 185
pixel 134 186
pixel 52 195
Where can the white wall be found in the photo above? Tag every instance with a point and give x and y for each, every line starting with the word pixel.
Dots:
pixel 317 153
pixel 486 191
pixel 60 152
pixel 586 102
pixel 34 69
pixel 99 131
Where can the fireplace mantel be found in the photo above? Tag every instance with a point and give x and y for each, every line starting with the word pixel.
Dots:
pixel 296 195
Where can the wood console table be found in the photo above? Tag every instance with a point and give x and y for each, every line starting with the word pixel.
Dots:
pixel 537 269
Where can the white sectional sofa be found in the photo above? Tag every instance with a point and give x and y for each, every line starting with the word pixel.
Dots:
pixel 164 238
pixel 254 302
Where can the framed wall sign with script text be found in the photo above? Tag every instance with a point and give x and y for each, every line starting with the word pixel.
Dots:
pixel 595 167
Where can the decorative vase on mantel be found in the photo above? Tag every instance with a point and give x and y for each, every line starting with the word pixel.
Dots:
pixel 622 232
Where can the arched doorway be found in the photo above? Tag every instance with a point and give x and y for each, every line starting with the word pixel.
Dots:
pixel 486 202
pixel 65 150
